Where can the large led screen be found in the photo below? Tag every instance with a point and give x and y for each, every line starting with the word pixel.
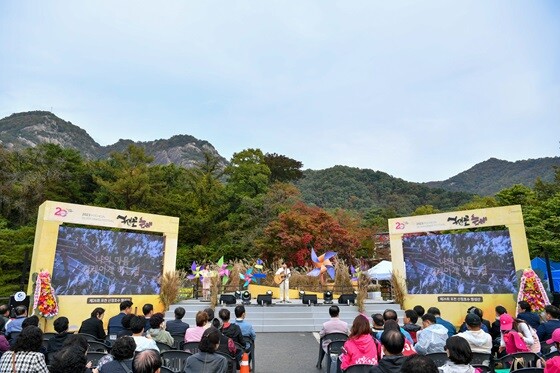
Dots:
pixel 464 263
pixel 102 262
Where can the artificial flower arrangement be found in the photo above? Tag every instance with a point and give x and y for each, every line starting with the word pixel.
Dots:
pixel 532 291
pixel 45 300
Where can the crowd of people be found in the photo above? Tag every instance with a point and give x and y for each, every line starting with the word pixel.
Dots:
pixel 134 341
pixel 379 341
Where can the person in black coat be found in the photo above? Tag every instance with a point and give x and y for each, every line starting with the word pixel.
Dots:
pixel 177 326
pixel 94 325
pixel 56 342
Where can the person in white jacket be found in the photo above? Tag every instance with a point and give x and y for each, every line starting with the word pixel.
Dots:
pixel 479 340
pixel 432 337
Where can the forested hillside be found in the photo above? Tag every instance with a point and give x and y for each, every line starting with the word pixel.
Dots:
pixel 363 189
pixel 489 177
pixel 256 205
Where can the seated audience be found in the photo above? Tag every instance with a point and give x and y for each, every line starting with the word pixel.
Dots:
pixel 148 311
pixel 460 356
pixel 194 333
pixel 408 348
pixel 14 325
pixel 230 330
pixel 334 325
pixel 61 327
pixel 137 324
pixel 147 361
pixel 378 324
pixel 125 321
pixel 432 337
pixel 419 364
pixel 360 348
pixel 544 331
pixel 410 322
pixel 177 326
pixel 246 328
pixel 390 314
pixel 115 322
pixel 206 360
pixel 70 359
pixel 94 325
pixel 495 327
pixel 157 330
pixel 4 344
pixel 479 341
pixel 525 313
pixel 392 342
pixel 25 355
pixel 420 311
pixel 4 317
pixel 451 331
pixel 211 320
pixel 553 364
pixel 512 341
pixel 528 334
pixel 122 353
pixel 484 324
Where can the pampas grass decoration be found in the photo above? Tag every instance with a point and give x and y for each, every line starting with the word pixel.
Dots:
pixel 363 282
pixel 342 280
pixel 171 283
pixel 397 288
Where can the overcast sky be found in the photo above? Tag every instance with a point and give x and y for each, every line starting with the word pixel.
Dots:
pixel 421 90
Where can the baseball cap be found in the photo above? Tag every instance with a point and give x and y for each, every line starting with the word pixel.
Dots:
pixel 506 322
pixel 555 337
pixel 472 320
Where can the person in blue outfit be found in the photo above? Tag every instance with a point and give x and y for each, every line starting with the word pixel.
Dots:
pixel 524 312
pixel 246 328
pixel 451 330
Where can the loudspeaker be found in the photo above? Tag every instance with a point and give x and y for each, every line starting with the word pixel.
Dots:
pixel 309 299
pixel 347 299
pixel 227 299
pixel 263 299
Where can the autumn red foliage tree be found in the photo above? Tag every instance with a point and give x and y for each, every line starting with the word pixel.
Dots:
pixel 301 227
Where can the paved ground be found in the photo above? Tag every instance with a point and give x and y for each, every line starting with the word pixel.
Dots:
pixel 286 353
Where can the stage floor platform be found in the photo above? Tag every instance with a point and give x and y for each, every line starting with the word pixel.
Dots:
pixel 286 317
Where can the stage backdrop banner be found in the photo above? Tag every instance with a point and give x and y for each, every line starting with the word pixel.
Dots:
pixel 99 257
pixel 442 262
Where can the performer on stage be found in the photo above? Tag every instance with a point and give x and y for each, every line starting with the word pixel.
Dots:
pixel 283 280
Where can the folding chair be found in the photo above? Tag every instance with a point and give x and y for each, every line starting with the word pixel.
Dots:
pixel 481 359
pixel 528 360
pixel 179 339
pixel 175 359
pixel 333 352
pixel 191 347
pixel 359 368
pixel 163 347
pixel 440 358
pixel 331 337
pixel 231 361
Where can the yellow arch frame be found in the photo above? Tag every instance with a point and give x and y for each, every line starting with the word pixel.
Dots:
pixel 52 214
pixel 455 308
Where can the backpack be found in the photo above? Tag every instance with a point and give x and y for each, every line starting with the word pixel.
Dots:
pixel 514 343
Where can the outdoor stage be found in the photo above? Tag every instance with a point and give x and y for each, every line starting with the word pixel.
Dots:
pixel 286 317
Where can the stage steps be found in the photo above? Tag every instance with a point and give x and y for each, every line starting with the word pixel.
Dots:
pixel 286 317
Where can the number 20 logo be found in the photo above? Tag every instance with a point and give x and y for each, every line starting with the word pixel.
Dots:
pixel 399 225
pixel 58 211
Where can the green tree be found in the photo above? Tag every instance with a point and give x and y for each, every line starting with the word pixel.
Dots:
pixel 13 244
pixel 123 179
pixel 248 174
pixel 282 168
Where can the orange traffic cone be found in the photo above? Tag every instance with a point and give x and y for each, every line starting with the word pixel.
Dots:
pixel 244 366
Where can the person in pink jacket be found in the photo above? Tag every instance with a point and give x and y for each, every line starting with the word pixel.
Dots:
pixel 360 348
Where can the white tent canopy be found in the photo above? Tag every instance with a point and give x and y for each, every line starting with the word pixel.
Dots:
pixel 381 271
